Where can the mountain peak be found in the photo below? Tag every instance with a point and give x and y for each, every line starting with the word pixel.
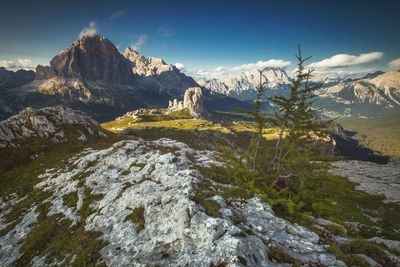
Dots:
pixel 91 57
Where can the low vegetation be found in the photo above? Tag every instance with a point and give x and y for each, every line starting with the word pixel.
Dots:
pixel 137 217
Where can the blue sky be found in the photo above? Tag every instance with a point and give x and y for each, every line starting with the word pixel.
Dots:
pixel 211 37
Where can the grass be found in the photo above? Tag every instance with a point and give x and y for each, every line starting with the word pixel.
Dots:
pixel 183 124
pixel 137 217
pixel 71 199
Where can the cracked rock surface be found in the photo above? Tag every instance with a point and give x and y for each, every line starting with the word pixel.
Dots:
pixel 160 178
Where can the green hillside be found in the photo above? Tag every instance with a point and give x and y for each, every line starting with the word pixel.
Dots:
pixel 380 134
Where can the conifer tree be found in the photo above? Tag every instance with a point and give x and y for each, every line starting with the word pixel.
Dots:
pixel 301 133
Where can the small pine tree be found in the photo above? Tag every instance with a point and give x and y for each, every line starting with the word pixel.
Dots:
pixel 304 133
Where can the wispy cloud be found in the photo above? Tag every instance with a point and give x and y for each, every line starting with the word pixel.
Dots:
pixel 23 63
pixel 90 31
pixel 179 65
pixel 222 71
pixel 117 14
pixel 7 64
pixel 345 60
pixel 142 39
pixel 165 31
pixel 394 64
pixel 260 65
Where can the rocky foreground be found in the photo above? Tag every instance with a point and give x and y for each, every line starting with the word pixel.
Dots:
pixel 159 178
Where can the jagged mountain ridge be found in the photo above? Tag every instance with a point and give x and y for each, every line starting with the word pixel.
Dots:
pixel 372 96
pixel 155 71
pixel 375 94
pixel 243 85
pixel 93 76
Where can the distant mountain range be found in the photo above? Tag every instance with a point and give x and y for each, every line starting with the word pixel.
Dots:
pixel 243 85
pixel 92 75
pixel 375 94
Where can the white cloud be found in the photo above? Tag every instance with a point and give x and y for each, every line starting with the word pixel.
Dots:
pixel 90 31
pixel 220 68
pixel 117 14
pixel 222 71
pixel 139 43
pixel 23 63
pixel 394 64
pixel 345 60
pixel 165 31
pixel 260 65
pixel 7 64
pixel 179 65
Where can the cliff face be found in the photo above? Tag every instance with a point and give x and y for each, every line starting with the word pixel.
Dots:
pixel 89 58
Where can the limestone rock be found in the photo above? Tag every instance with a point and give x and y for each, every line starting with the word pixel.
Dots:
pixel 193 100
pixel 175 105
pixel 44 123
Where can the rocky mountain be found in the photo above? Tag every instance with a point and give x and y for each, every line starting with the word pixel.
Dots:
pixel 243 85
pixel 375 95
pixel 93 76
pixel 90 58
pixel 90 75
pixel 165 77
pixel 11 79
